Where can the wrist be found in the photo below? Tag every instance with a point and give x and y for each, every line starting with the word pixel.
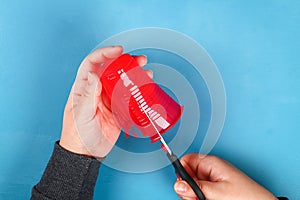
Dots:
pixel 78 151
pixel 71 142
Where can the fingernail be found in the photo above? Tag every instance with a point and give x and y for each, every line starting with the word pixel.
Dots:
pixel 180 187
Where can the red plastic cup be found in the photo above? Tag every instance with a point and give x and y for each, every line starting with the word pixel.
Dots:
pixel 130 92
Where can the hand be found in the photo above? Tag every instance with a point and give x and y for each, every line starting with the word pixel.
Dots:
pixel 218 180
pixel 89 127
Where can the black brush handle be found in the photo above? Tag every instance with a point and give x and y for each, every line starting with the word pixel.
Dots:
pixel 179 169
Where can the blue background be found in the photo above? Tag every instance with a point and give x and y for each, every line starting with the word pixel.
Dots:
pixel 255 45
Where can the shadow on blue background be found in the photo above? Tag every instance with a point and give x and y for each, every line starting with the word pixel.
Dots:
pixel 255 44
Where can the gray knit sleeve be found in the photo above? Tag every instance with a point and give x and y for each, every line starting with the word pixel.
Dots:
pixel 67 176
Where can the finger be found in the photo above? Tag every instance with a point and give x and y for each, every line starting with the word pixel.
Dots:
pixel 89 98
pixel 141 60
pixel 94 61
pixel 189 170
pixel 205 167
pixel 196 165
pixel 193 158
pixel 94 86
pixel 183 190
pixel 149 73
pixel 102 54
pixel 209 189
pixel 188 198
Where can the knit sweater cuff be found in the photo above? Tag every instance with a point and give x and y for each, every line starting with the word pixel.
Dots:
pixel 68 176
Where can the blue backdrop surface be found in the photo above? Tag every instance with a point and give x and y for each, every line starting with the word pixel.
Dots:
pixel 255 45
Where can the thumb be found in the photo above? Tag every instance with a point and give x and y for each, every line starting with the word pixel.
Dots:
pixel 89 97
pixel 93 87
pixel 184 190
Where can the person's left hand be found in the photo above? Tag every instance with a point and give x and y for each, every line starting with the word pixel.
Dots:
pixel 89 127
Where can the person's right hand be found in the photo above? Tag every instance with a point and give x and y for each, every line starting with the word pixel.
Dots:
pixel 218 180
